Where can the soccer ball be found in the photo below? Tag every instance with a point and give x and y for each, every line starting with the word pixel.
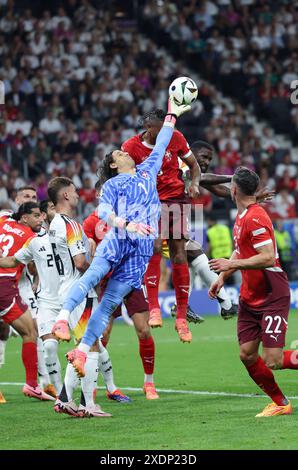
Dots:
pixel 184 90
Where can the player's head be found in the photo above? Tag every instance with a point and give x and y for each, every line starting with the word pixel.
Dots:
pixel 61 190
pixel 29 214
pixel 114 163
pixel 203 153
pixel 245 183
pixel 47 210
pixel 153 122
pixel 26 194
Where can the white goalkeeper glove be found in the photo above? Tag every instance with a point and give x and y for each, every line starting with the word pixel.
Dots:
pixel 174 111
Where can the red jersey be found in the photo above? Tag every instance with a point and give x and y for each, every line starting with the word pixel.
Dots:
pixel 253 229
pixel 170 184
pixel 13 237
pixel 95 228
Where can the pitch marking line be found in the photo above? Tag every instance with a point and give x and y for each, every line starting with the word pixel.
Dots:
pixel 181 392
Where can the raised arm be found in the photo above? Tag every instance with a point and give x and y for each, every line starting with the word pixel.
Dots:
pixel 211 178
pixel 153 163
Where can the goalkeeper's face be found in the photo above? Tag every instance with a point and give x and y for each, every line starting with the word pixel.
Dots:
pixel 122 161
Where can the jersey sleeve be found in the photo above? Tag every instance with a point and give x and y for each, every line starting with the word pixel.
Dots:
pixel 89 227
pixel 25 254
pixel 259 231
pixel 75 238
pixel 183 147
pixel 107 201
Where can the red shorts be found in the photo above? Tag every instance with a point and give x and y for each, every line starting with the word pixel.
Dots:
pixel 11 303
pixel 270 325
pixel 173 222
pixel 135 302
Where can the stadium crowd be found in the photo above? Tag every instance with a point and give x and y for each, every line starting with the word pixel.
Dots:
pixel 78 79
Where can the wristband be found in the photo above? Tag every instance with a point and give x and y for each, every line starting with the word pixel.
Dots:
pixel 170 120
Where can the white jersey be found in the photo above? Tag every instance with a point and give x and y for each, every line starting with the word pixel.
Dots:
pixel 67 241
pixel 39 250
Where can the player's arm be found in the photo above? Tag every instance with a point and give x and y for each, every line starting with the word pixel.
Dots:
pixel 219 283
pixel 219 190
pixel 9 262
pixel 76 246
pixel 153 163
pixel 81 262
pixel 195 173
pixel 264 259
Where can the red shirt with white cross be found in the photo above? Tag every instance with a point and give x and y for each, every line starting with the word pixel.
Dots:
pixel 253 229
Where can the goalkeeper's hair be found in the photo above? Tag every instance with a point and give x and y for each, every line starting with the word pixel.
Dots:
pixel 247 180
pixel 25 208
pixel 105 172
pixel 153 115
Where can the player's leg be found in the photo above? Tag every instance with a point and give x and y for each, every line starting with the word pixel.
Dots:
pixel 152 278
pixel 43 374
pixel 50 344
pixel 199 261
pixel 24 325
pixel 180 277
pixel 94 274
pixel 249 336
pixel 4 335
pixel 112 297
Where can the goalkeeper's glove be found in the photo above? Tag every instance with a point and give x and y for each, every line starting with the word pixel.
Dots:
pixel 174 111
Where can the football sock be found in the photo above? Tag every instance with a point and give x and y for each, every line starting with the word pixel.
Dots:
pixel 29 358
pixel 290 359
pixel 89 381
pixel 71 382
pixel 106 369
pixel 152 277
pixel 94 274
pixel 53 363
pixel 42 368
pixel 2 352
pixel 147 353
pixel 264 378
pixel 180 278
pixel 99 320
pixel 202 269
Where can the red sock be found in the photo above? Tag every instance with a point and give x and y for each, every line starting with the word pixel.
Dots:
pixel 264 378
pixel 152 278
pixel 29 357
pixel 104 342
pixel 147 351
pixel 290 359
pixel 181 281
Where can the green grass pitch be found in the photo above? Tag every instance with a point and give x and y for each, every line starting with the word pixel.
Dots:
pixel 176 421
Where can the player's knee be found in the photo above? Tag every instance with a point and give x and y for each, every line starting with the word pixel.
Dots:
pixel 273 362
pixel 157 247
pixel 247 357
pixel 179 257
pixel 143 331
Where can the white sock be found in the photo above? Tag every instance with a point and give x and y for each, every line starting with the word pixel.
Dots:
pixel 42 368
pixel 71 382
pixel 149 378
pixel 89 382
pixel 202 269
pixel 63 315
pixel 2 352
pixel 53 363
pixel 84 348
pixel 106 368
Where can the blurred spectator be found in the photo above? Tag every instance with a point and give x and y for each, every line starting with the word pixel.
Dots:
pixel 284 247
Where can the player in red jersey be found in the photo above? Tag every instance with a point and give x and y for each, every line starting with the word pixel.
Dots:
pixel 136 305
pixel 264 295
pixel 15 232
pixel 170 186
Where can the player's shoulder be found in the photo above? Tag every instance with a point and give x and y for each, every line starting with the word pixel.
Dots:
pixel 258 215
pixel 91 218
pixel 178 136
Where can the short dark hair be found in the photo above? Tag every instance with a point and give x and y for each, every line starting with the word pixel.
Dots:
pixel 55 185
pixel 25 208
pixel 247 180
pixel 44 205
pixel 105 172
pixel 199 144
pixel 26 188
pixel 153 115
